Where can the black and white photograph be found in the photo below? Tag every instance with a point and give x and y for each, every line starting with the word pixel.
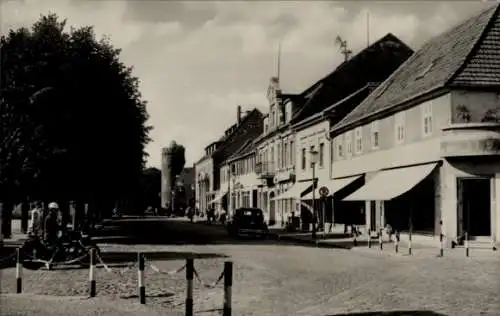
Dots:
pixel 249 158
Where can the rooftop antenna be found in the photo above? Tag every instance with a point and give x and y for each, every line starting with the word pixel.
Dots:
pixel 367 28
pixel 278 61
pixel 343 47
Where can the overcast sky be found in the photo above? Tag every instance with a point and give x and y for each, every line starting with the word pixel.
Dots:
pixel 198 60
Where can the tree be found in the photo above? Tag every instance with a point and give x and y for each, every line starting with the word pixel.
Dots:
pixel 150 188
pixel 72 119
pixel 178 153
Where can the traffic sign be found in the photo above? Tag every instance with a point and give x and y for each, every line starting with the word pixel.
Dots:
pixel 323 191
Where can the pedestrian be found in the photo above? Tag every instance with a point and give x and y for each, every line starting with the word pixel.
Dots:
pixel 51 223
pixel 35 227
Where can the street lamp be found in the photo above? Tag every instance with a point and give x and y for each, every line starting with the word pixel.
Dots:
pixel 314 157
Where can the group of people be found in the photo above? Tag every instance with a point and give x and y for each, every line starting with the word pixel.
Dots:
pixel 45 223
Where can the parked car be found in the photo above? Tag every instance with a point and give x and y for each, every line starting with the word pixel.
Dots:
pixel 248 221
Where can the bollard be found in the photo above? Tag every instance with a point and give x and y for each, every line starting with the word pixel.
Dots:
pixel 466 244
pixel 369 239
pixel 91 273
pixel 441 245
pixel 228 284
pixel 396 245
pixel 140 278
pixel 19 271
pixel 189 279
pixel 409 244
pixel 380 241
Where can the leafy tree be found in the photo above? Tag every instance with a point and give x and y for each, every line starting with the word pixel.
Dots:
pixel 178 158
pixel 150 188
pixel 73 124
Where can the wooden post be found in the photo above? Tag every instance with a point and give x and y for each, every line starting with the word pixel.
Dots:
pixel 189 292
pixel 441 239
pixel 410 231
pixel 228 284
pixel 19 271
pixel 140 278
pixel 91 273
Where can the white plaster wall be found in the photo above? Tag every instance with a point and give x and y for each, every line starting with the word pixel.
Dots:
pixel 416 147
pixel 313 136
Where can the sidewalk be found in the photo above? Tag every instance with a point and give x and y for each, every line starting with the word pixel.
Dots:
pixel 45 305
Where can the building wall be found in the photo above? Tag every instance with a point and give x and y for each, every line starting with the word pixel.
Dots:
pixel 416 148
pixel 313 136
pixel 204 182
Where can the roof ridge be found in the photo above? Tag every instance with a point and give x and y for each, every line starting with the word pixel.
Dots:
pixel 368 85
pixel 495 11
pixel 308 102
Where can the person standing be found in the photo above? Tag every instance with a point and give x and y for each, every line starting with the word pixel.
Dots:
pixel 35 227
pixel 51 223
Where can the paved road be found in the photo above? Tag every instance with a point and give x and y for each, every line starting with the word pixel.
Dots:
pixel 278 278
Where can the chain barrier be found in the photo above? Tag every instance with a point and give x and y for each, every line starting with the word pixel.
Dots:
pixel 130 266
pixel 208 285
pixel 172 272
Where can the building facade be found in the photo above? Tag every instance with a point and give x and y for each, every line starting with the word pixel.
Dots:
pixel 429 153
pixel 325 103
pixel 209 183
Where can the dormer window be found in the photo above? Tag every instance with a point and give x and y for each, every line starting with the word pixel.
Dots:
pixel 428 68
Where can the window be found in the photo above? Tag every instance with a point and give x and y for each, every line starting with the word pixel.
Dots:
pixel 272 158
pixel 292 151
pixel 358 135
pixel 303 159
pixel 348 141
pixel 285 155
pixel 340 148
pixel 321 154
pixel 375 134
pixel 332 150
pixel 311 149
pixel 427 119
pixel 279 155
pixel 400 127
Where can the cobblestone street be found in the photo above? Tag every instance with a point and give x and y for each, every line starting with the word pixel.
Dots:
pixel 277 278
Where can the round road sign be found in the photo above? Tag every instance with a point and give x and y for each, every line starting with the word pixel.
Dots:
pixel 323 191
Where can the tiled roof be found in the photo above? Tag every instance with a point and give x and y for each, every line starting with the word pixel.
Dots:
pixel 250 125
pixel 436 63
pixel 248 147
pixel 338 110
pixel 373 64
pixel 483 67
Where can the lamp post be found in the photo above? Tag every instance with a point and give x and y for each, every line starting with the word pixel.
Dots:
pixel 313 156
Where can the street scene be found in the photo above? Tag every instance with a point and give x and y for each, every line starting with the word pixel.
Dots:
pixel 249 158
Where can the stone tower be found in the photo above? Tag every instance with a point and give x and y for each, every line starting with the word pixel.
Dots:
pixel 166 176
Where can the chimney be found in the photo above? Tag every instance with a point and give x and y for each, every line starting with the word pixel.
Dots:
pixel 238 114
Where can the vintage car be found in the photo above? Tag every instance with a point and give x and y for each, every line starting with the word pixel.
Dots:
pixel 247 221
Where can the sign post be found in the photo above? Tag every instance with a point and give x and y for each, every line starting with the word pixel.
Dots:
pixel 323 192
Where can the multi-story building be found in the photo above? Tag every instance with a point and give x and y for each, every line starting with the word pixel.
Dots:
pixel 427 140
pixel 310 114
pixel 239 178
pixel 207 169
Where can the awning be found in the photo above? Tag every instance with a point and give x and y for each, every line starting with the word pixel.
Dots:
pixel 295 191
pixel 388 184
pixel 219 196
pixel 333 186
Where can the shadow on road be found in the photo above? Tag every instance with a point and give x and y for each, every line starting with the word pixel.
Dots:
pixel 392 313
pixel 163 231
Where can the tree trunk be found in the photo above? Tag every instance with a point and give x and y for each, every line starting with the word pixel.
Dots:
pixel 64 207
pixel 79 215
pixel 6 216
pixel 24 217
